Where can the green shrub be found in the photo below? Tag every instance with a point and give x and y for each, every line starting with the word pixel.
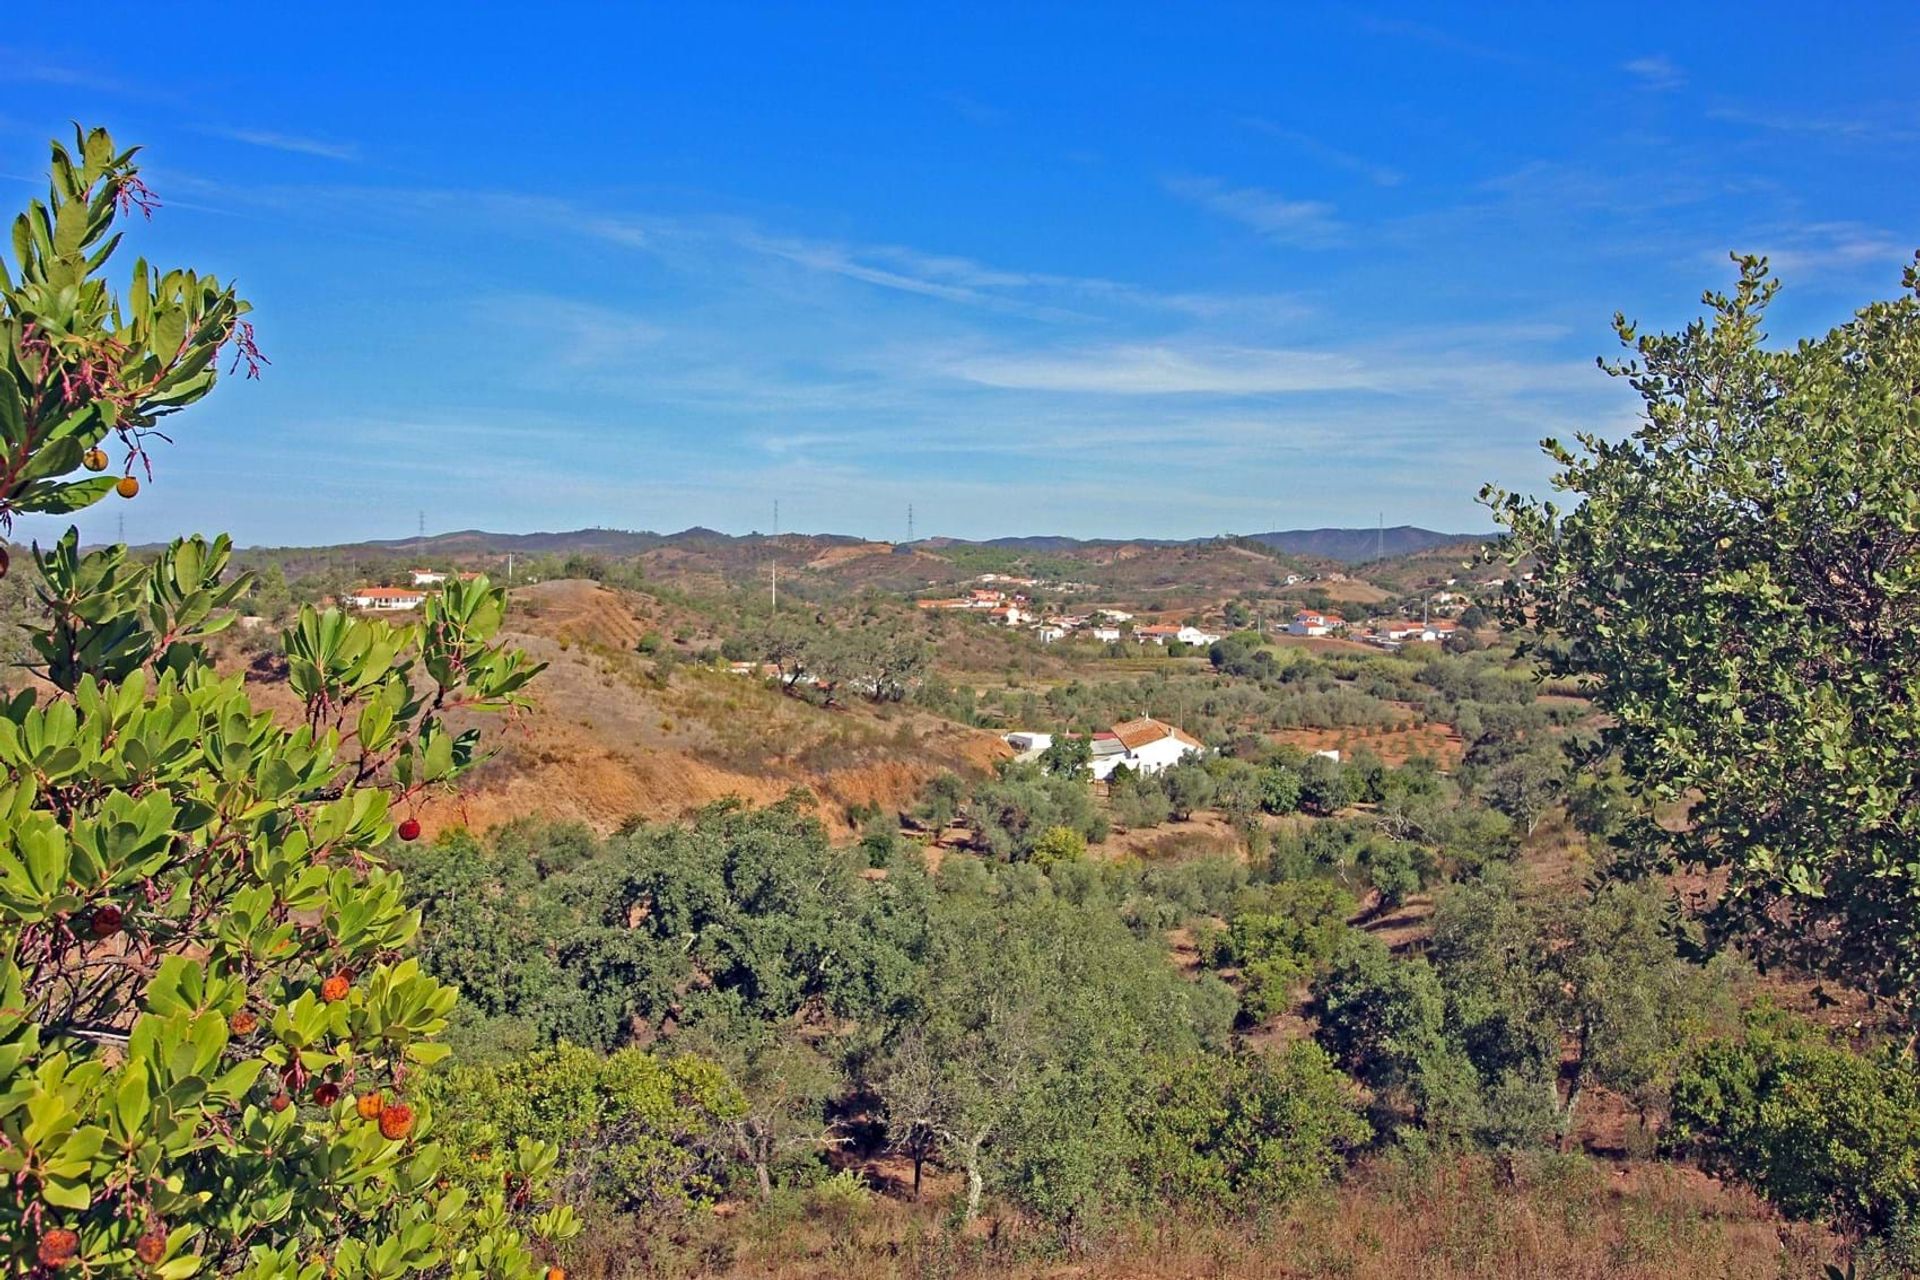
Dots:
pixel 1822 1132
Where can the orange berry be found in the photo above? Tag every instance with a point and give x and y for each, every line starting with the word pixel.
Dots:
pixel 556 1273
pixel 127 487
pixel 369 1104
pixel 396 1121
pixel 334 989
pixel 94 459
pixel 151 1247
pixel 244 1023
pixel 57 1247
pixel 280 1102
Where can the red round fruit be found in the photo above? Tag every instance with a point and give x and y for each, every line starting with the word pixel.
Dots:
pixel 410 829
pixel 106 920
pixel 57 1247
pixel 334 989
pixel 244 1023
pixel 396 1121
pixel 280 1102
pixel 151 1247
pixel 326 1093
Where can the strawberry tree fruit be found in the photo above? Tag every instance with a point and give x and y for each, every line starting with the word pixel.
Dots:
pixel 94 459
pixel 396 1121
pixel 127 486
pixel 139 1069
pixel 409 829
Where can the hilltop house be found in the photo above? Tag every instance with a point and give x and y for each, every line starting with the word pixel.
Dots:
pixel 1309 622
pixel 386 599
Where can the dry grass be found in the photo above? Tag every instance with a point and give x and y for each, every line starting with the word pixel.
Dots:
pixel 1550 1218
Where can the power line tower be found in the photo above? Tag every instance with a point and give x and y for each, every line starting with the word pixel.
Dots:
pixel 909 522
pixel 423 523
pixel 1380 538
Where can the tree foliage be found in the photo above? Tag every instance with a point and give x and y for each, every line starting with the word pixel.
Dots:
pixel 1743 574
pixel 200 950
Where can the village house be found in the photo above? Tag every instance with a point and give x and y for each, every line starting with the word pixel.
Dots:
pixel 943 604
pixel 1050 632
pixel 1116 615
pixel 428 577
pixel 1106 635
pixel 1007 615
pixel 1159 633
pixel 1144 745
pixel 1194 635
pixel 1309 622
pixel 386 599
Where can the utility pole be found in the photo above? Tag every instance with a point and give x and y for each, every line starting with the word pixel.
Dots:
pixel 774 591
pixel 509 568
pixel 1380 538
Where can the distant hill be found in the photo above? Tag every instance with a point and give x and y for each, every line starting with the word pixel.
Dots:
pixel 1355 546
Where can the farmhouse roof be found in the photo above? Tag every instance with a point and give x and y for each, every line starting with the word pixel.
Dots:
pixel 1134 734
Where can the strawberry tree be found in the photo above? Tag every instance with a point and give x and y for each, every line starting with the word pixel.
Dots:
pixel 208 1022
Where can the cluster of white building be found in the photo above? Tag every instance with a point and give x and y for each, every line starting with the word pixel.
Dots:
pixel 1388 633
pixel 401 599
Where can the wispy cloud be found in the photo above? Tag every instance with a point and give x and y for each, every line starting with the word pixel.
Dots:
pixel 1435 37
pixel 288 142
pixel 1656 71
pixel 1823 248
pixel 1883 125
pixel 1379 174
pixel 1151 369
pixel 1310 224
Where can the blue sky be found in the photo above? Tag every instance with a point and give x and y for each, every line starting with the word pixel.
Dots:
pixel 1098 270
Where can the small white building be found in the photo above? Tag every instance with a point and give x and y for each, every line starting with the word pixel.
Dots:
pixel 387 599
pixel 1049 632
pixel 1028 746
pixel 1156 634
pixel 1107 635
pixel 1194 635
pixel 1115 615
pixel 1309 622
pixel 428 577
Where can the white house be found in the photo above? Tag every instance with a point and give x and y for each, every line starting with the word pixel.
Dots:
pixel 1106 635
pixel 1308 622
pixel 1156 634
pixel 1145 745
pixel 1008 615
pixel 386 599
pixel 1049 632
pixel 428 577
pixel 1194 635
pixel 1115 615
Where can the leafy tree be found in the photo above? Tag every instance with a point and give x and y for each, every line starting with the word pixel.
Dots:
pixel 1325 787
pixel 1057 845
pixel 634 1130
pixel 1011 812
pixel 1821 1132
pixel 1743 573
pixel 1228 1132
pixel 1189 786
pixel 1280 788
pixel 200 950
pixel 1069 755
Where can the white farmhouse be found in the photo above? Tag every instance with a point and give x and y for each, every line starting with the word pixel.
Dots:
pixel 1194 635
pixel 428 577
pixel 1145 745
pixel 386 599
pixel 1106 635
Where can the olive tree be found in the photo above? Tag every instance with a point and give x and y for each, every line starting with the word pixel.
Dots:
pixel 1742 574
